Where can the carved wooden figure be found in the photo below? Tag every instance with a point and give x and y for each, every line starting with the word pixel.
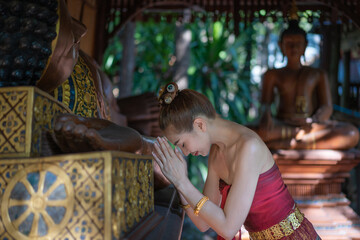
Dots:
pixel 47 84
pixel 302 120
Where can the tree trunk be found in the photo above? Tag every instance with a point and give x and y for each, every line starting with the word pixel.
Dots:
pixel 182 52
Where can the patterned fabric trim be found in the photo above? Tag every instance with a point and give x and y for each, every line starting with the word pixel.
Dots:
pixel 285 228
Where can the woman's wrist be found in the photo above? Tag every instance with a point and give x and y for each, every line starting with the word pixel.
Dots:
pixel 182 199
pixel 185 206
pixel 181 185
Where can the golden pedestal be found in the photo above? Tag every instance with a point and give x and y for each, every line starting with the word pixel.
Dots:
pixel 25 113
pixel 97 195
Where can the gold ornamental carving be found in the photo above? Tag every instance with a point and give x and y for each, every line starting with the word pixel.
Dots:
pixel 26 112
pixel 98 195
pixel 133 196
pixel 38 190
pixel 78 92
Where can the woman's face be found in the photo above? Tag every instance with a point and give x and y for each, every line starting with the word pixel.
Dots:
pixel 195 142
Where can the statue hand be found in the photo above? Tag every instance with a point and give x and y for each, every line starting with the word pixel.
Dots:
pixel 77 134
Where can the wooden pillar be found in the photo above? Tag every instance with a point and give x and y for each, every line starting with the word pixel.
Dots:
pixel 346 83
pixel 128 60
pixel 330 55
pixel 100 31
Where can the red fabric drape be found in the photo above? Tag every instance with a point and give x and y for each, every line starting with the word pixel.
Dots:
pixel 271 204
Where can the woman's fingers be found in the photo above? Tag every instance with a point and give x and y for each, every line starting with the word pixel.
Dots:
pixel 168 147
pixel 158 161
pixel 160 153
pixel 179 155
pixel 182 159
pixel 163 144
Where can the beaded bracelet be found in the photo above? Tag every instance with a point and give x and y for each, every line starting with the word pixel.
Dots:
pixel 200 204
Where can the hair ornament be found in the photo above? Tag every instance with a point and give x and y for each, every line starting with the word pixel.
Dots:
pixel 170 87
pixel 167 93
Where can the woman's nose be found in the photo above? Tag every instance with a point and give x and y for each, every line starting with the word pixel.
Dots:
pixel 185 152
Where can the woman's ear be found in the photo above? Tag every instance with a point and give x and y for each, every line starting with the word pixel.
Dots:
pixel 200 123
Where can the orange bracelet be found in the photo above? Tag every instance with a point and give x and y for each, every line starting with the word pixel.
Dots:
pixel 184 206
pixel 200 204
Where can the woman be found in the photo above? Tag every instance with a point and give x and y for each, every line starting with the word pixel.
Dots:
pixel 244 185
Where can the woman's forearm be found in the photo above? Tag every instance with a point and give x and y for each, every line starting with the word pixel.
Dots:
pixel 198 222
pixel 210 214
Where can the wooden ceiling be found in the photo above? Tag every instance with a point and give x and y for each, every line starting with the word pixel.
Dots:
pixel 344 11
pixel 113 14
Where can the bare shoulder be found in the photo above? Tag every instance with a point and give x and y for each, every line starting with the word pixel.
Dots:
pixel 247 157
pixel 313 70
pixel 271 73
pixel 249 142
pixel 246 142
pixel 251 150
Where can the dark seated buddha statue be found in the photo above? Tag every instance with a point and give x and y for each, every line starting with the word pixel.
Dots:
pixel 303 115
pixel 40 47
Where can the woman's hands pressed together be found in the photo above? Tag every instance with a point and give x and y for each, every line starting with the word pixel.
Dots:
pixel 172 163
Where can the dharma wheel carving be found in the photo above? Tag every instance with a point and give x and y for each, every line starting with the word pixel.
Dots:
pixel 38 202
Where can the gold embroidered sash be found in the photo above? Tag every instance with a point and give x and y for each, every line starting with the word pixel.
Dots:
pixel 282 229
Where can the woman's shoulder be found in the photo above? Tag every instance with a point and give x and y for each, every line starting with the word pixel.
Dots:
pixel 273 70
pixel 247 140
pixel 310 69
pixel 272 73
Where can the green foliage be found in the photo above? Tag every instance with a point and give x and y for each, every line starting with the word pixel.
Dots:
pixel 220 67
pixel 112 58
pixel 154 49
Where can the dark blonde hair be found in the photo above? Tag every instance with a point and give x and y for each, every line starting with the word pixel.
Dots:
pixel 182 110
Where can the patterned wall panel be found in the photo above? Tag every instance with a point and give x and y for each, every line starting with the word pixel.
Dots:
pixel 24 113
pixel 99 195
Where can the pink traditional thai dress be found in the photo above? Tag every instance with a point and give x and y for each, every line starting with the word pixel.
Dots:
pixel 273 214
